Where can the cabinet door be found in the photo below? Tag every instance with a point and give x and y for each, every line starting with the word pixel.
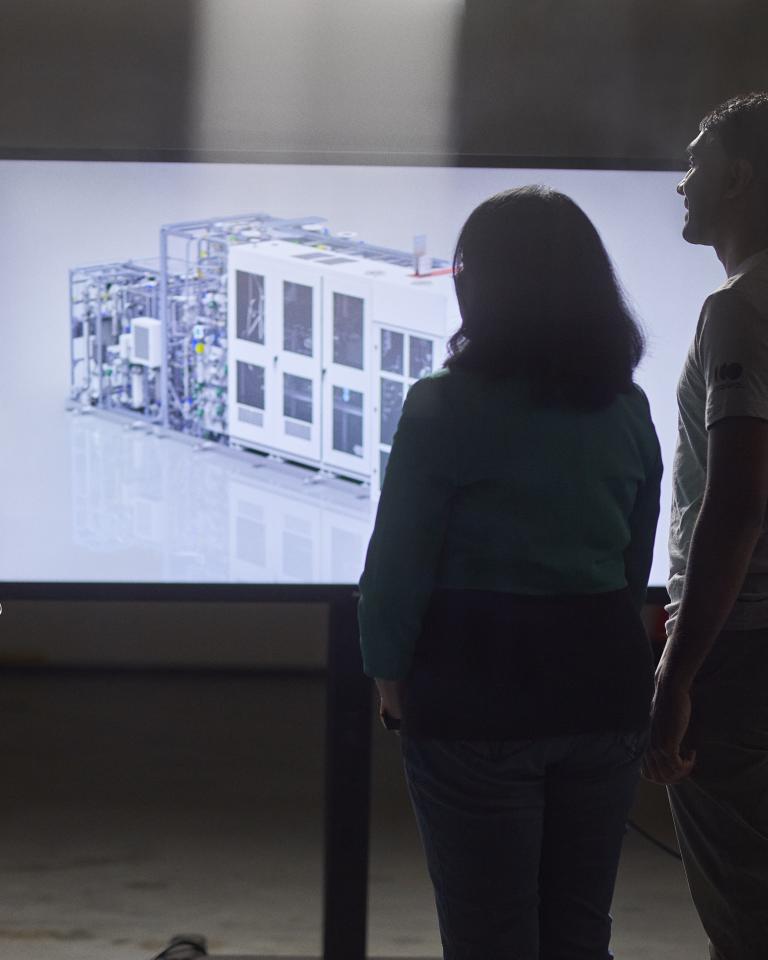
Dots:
pixel 347 352
pixel 252 340
pixel 274 347
pixel 401 357
pixel 297 364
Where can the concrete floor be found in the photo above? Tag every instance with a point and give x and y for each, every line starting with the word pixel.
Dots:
pixel 138 806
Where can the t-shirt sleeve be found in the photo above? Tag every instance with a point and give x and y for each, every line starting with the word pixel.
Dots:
pixel 733 354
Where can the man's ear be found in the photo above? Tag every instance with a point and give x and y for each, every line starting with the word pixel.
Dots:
pixel 739 178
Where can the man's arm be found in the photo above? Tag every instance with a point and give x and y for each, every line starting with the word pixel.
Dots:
pixel 729 524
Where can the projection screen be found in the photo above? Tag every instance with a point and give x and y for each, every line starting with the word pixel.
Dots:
pixel 203 364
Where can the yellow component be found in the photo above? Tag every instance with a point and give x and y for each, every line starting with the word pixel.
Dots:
pixel 199 347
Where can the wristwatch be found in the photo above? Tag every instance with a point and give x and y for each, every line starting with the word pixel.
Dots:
pixel 389 722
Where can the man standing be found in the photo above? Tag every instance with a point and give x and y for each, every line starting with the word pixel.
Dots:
pixel 709 737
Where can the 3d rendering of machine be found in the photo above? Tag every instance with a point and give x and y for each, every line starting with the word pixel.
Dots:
pixel 263 334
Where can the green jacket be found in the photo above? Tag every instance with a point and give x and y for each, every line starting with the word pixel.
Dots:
pixel 487 490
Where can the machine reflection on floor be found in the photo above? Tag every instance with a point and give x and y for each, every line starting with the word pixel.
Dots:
pixel 212 515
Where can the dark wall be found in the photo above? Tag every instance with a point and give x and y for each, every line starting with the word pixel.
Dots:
pixel 266 78
pixel 529 78
pixel 193 634
pixel 95 74
pixel 601 78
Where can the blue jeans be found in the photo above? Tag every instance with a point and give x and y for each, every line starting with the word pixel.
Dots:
pixel 522 840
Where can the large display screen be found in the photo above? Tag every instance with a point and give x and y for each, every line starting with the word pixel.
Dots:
pixel 203 365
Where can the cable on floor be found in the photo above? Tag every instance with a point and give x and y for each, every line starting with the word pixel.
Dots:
pixel 184 947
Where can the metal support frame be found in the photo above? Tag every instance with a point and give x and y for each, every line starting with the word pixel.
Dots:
pixel 164 320
pixel 347 789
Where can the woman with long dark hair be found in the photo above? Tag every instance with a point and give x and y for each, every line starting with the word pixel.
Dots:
pixel 501 597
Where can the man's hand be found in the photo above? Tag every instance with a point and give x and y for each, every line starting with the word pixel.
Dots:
pixel 667 760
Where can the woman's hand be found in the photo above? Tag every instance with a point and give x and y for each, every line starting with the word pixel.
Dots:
pixel 391 697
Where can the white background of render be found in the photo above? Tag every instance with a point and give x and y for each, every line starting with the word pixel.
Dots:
pixel 56 215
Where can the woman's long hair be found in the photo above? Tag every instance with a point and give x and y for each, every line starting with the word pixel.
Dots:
pixel 539 299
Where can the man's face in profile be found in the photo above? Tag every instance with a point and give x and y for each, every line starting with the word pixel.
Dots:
pixel 703 188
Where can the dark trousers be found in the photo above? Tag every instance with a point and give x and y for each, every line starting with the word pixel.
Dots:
pixel 522 840
pixel 721 810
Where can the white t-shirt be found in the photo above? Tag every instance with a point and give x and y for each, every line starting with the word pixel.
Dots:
pixel 725 375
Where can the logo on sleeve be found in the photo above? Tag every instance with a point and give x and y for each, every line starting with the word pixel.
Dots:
pixel 728 375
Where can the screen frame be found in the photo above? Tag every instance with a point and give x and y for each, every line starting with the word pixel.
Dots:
pixel 82 590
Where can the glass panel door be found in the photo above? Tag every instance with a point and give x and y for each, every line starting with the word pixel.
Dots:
pixel 347 353
pixel 298 365
pixel 402 358
pixel 252 337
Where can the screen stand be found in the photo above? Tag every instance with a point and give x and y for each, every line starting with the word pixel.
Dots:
pixel 347 787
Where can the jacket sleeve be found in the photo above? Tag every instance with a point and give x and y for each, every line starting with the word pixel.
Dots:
pixel 412 517
pixel 644 518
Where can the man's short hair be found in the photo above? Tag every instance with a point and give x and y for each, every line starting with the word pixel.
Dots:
pixel 741 126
